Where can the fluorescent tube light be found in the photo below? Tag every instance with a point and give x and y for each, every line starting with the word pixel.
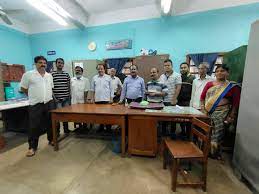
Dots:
pixel 57 8
pixel 41 6
pixel 166 6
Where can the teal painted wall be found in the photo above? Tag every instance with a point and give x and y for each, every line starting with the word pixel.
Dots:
pixel 15 47
pixel 217 30
pixel 211 31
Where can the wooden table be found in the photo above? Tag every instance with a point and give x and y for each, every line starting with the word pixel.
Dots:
pixel 92 113
pixel 142 129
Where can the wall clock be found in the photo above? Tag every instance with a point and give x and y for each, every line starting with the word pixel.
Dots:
pixel 92 46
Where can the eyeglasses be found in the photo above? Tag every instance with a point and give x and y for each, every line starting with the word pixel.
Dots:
pixel 60 62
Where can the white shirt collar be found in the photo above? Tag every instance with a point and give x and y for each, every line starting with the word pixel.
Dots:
pixel 206 77
pixel 37 72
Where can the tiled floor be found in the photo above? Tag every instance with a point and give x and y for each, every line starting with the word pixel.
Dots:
pixel 88 166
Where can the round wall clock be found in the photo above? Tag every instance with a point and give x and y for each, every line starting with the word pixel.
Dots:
pixel 92 46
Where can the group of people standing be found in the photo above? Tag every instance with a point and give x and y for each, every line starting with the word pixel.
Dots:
pixel 47 91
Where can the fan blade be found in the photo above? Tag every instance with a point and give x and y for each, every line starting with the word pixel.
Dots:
pixel 6 19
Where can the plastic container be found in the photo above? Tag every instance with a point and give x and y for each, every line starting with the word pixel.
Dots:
pixel 9 93
pixel 116 144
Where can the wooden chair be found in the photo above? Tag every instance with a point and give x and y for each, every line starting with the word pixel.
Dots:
pixel 195 150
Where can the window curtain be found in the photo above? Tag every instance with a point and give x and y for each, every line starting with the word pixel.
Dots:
pixel 209 58
pixel 118 63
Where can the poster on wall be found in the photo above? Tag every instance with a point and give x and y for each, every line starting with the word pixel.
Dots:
pixel 119 44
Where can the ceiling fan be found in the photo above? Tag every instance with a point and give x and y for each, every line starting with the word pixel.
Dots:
pixel 5 17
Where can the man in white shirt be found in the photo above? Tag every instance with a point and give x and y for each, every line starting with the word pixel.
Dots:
pixel 116 85
pixel 38 84
pixel 79 89
pixel 103 93
pixel 199 84
pixel 80 86
pixel 102 86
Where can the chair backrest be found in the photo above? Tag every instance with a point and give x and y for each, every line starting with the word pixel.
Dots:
pixel 201 135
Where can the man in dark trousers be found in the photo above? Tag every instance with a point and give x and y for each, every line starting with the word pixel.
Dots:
pixel 184 97
pixel 61 90
pixel 38 84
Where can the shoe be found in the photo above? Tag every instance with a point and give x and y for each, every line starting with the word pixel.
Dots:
pixel 30 153
pixel 101 129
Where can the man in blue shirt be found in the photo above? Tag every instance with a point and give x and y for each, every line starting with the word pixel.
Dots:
pixel 133 87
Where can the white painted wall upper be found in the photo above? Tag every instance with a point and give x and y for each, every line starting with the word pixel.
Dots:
pixel 190 6
pixel 108 12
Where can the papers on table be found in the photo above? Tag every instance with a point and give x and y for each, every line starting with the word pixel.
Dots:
pixel 176 110
pixel 5 105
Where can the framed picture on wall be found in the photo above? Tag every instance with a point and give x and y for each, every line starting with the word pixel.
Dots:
pixel 119 44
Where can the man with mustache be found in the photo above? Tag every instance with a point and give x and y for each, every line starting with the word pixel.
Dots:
pixel 80 86
pixel 156 90
pixel 133 89
pixel 38 84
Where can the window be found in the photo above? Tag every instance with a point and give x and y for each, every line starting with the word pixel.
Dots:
pixel 194 69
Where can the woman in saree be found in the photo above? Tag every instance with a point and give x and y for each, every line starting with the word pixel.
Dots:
pixel 220 100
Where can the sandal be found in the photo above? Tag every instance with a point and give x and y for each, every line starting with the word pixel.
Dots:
pixel 51 143
pixel 30 153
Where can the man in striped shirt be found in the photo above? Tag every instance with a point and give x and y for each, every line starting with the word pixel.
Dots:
pixel 156 90
pixel 61 90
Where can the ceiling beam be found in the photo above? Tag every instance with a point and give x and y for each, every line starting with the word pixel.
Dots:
pixel 79 15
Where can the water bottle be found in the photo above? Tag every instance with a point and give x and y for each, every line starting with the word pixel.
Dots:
pixel 126 103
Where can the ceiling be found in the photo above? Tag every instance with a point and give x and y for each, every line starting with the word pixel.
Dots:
pixel 26 13
pixel 96 12
pixel 95 6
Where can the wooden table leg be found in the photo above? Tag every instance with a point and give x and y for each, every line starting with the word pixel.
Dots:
pixel 123 137
pixel 54 131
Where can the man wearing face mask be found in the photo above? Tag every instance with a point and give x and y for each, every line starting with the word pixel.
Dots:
pixel 38 84
pixel 184 97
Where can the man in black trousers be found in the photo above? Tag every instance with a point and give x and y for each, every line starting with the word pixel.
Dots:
pixel 38 84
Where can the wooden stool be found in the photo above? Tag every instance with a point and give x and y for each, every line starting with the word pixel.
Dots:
pixel 195 150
